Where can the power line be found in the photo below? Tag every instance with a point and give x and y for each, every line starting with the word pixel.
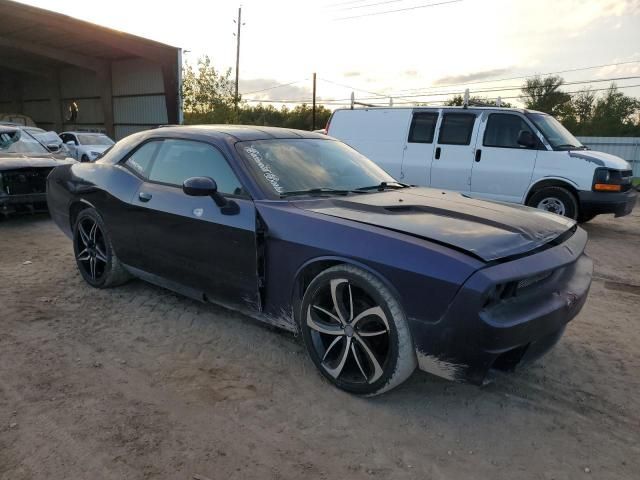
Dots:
pixel 513 78
pixel 541 94
pixel 342 102
pixel 352 88
pixel 504 89
pixel 399 10
pixel 275 86
pixel 369 5
pixel 345 3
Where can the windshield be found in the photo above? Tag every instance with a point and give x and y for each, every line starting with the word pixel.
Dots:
pixel 297 165
pixel 26 144
pixel 94 139
pixel 559 137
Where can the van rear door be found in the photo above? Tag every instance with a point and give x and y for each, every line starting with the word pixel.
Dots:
pixel 377 133
pixel 418 151
pixel 502 169
pixel 453 155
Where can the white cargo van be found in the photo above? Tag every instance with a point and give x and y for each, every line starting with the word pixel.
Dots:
pixel 504 154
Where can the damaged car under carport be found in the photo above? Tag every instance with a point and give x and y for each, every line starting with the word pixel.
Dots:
pixel 301 231
pixel 24 166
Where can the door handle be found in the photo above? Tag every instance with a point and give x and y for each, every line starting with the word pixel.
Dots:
pixel 478 154
pixel 437 153
pixel 144 196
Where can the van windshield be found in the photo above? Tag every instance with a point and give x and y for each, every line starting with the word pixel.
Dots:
pixel 559 137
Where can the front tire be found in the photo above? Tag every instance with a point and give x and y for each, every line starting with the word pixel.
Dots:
pixel 356 332
pixel 94 253
pixel 557 200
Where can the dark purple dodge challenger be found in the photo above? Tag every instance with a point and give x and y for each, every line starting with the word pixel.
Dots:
pixel 301 231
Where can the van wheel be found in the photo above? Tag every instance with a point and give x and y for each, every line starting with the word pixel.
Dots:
pixel 556 200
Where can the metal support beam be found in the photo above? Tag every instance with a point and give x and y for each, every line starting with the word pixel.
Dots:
pixel 170 76
pixel 106 94
pixel 56 101
pixel 78 60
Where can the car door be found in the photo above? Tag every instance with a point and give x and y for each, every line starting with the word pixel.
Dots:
pixel 502 169
pixel 187 239
pixel 453 155
pixel 418 151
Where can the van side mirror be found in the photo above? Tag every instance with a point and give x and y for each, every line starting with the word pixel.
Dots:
pixel 207 187
pixel 71 143
pixel 526 139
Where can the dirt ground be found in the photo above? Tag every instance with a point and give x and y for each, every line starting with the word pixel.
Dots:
pixel 137 382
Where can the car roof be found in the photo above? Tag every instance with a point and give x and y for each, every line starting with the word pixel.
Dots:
pixel 237 132
pixel 85 133
pixel 470 107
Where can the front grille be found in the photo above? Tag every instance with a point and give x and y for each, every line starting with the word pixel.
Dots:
pixel 25 181
pixel 530 281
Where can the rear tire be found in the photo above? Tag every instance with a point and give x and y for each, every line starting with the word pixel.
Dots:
pixel 557 200
pixel 95 257
pixel 356 332
pixel 84 159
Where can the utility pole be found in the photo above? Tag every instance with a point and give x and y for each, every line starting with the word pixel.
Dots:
pixel 237 98
pixel 313 121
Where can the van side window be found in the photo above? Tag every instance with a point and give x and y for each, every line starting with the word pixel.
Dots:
pixel 423 127
pixel 456 128
pixel 503 129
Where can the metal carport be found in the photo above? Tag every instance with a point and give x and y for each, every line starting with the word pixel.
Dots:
pixel 119 82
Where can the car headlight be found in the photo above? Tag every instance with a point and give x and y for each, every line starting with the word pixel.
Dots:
pixel 94 154
pixel 607 180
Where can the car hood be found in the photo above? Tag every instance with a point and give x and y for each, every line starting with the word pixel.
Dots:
pixel 96 148
pixel 487 230
pixel 601 159
pixel 14 161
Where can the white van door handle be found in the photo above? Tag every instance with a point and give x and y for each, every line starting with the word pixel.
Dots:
pixel 478 154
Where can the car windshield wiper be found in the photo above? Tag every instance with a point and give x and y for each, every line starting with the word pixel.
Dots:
pixel 315 191
pixel 381 187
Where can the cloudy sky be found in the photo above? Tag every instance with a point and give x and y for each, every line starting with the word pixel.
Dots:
pixel 381 48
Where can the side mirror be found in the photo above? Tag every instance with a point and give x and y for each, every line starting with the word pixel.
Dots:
pixel 53 147
pixel 207 187
pixel 526 139
pixel 71 143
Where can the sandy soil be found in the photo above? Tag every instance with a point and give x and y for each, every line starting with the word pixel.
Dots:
pixel 137 382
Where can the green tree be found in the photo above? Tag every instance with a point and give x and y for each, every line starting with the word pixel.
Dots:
pixel 205 90
pixel 615 114
pixel 458 101
pixel 544 94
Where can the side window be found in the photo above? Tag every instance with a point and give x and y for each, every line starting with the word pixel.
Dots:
pixel 73 139
pixel 456 128
pixel 423 126
pixel 178 160
pixel 503 129
pixel 140 160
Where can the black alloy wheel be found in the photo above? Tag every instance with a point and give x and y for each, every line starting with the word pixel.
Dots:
pixel 95 257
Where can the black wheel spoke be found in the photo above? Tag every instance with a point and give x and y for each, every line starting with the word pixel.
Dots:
pixel 377 369
pixel 100 255
pixel 320 326
pixel 84 255
pixel 84 236
pixel 344 313
pixel 92 266
pixel 342 359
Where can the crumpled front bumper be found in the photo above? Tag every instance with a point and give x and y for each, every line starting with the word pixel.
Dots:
pixel 480 332
pixel 29 201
